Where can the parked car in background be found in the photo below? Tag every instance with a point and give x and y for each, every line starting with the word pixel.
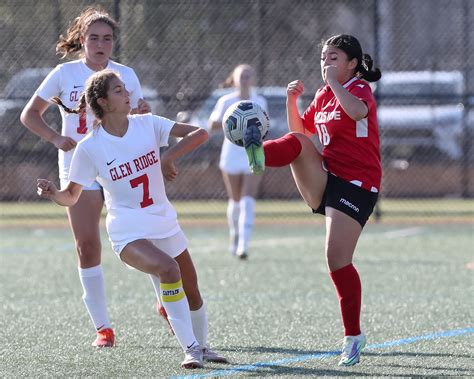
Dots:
pixel 16 140
pixel 421 115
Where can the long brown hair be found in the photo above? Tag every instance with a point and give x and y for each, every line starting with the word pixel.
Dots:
pixel 97 87
pixel 70 45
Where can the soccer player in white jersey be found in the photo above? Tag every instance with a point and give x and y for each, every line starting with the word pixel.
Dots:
pixel 343 183
pixel 123 154
pixel 90 36
pixel 240 184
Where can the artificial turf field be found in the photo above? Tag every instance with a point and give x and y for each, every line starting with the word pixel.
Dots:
pixel 273 315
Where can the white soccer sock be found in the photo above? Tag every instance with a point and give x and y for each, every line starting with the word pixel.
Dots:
pixel 233 211
pixel 92 280
pixel 246 220
pixel 177 307
pixel 200 325
pixel 156 285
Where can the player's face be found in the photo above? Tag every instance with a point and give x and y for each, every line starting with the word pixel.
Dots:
pixel 118 98
pixel 244 78
pixel 335 63
pixel 98 43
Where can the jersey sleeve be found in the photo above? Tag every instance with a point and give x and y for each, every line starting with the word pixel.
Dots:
pixel 162 127
pixel 51 86
pixel 83 170
pixel 219 110
pixel 135 89
pixel 363 92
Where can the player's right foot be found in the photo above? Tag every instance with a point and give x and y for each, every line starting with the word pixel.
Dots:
pixel 352 348
pixel 162 312
pixel 105 338
pixel 193 358
pixel 253 144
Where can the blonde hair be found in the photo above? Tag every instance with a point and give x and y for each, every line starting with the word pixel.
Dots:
pixel 229 81
pixel 70 45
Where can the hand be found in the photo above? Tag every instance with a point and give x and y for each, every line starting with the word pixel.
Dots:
pixel 46 189
pixel 64 143
pixel 168 168
pixel 294 89
pixel 330 74
pixel 143 107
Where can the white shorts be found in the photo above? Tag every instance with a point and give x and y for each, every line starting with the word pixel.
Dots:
pixel 233 159
pixel 93 187
pixel 173 245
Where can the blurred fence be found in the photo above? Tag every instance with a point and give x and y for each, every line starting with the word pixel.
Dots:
pixel 181 51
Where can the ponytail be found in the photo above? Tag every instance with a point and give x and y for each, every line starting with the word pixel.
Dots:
pixel 365 69
pixel 79 110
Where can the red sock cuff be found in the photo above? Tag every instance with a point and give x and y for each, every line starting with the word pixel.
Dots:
pixel 282 151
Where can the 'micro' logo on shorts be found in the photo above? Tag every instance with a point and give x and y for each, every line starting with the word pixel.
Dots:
pixel 349 204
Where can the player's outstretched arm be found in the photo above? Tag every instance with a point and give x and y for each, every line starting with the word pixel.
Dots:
pixel 190 138
pixel 66 197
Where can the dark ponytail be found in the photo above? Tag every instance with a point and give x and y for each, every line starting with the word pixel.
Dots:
pixel 351 46
pixel 365 69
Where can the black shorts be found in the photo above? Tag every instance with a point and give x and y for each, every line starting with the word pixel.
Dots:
pixel 348 198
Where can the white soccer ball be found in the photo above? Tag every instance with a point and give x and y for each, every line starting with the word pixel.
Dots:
pixel 239 115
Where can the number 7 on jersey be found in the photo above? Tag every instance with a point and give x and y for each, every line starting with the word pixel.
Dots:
pixel 143 179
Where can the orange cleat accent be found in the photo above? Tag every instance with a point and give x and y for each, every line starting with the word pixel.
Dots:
pixel 162 312
pixel 105 338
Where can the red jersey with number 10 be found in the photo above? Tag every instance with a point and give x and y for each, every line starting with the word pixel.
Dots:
pixel 351 149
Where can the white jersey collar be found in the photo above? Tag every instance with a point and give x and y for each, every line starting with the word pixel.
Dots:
pixel 348 83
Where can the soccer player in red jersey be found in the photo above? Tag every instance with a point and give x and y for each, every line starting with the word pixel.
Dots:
pixel 341 178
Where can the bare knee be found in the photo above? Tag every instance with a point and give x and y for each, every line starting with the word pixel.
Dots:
pixel 167 270
pixel 88 251
pixel 337 258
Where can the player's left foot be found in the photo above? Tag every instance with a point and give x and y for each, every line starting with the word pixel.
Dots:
pixel 352 348
pixel 162 312
pixel 241 255
pixel 105 338
pixel 211 356
pixel 253 143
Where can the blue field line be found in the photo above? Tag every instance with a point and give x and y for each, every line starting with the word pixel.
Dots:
pixel 307 357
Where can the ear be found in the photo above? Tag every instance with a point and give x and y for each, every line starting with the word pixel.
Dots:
pixel 81 40
pixel 353 63
pixel 102 102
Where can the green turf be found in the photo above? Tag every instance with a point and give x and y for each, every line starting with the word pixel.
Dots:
pixel 264 313
pixel 399 210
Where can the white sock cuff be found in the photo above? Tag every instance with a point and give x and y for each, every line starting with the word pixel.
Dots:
pixel 247 200
pixel 200 310
pixel 91 271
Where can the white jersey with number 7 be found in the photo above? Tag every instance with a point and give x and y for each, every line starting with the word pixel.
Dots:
pixel 129 170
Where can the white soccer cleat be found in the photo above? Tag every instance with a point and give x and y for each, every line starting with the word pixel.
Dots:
pixel 211 356
pixel 351 350
pixel 193 358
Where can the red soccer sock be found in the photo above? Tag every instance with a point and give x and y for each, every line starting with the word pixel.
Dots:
pixel 349 292
pixel 282 151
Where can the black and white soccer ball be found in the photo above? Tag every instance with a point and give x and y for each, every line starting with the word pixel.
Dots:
pixel 241 114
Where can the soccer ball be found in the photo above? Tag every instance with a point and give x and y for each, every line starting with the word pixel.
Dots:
pixel 241 114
